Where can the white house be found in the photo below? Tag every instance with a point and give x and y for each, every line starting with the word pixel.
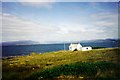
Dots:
pixel 77 47
pixel 86 48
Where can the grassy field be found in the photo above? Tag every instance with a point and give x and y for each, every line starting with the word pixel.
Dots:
pixel 94 64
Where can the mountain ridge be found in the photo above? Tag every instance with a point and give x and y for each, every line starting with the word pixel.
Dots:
pixel 29 42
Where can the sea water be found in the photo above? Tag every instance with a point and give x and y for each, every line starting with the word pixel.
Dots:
pixel 17 50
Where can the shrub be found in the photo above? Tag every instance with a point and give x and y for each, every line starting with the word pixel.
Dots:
pixel 80 68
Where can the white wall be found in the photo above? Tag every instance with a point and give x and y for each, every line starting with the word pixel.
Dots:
pixel 79 47
pixel 72 48
pixel 86 48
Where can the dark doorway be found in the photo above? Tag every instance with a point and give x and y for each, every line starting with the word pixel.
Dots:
pixel 75 50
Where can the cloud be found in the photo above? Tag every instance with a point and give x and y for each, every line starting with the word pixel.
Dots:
pixel 78 28
pixel 62 0
pixel 37 0
pixel 99 25
pixel 106 24
pixel 77 32
pixel 34 3
pixel 39 4
pixel 15 28
pixel 105 15
pixel 28 0
pixel 105 19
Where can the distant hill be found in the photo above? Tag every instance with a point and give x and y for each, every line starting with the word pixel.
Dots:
pixel 102 40
pixel 26 42
pixel 84 41
pixel 29 42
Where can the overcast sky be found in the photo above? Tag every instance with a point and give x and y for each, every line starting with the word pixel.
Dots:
pixel 59 21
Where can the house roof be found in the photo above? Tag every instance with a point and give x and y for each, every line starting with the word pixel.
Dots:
pixel 75 44
pixel 82 44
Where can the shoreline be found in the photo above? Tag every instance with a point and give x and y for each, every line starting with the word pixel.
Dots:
pixel 95 48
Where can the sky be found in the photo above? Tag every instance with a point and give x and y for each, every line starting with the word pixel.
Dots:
pixel 48 22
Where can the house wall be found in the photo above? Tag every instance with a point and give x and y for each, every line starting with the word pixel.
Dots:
pixel 86 48
pixel 79 47
pixel 72 48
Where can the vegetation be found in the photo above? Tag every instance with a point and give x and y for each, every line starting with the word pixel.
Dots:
pixel 97 63
pixel 97 47
pixel 79 70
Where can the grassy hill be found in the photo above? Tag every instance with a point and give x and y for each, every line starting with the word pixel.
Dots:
pixel 97 64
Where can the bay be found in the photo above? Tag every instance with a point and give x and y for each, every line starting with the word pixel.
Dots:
pixel 18 50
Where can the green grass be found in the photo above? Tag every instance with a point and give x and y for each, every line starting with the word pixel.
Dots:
pixel 83 69
pixel 97 47
pixel 23 67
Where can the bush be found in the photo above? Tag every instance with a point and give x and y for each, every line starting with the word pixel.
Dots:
pixel 80 68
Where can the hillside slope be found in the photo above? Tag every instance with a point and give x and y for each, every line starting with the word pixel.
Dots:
pixel 23 67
